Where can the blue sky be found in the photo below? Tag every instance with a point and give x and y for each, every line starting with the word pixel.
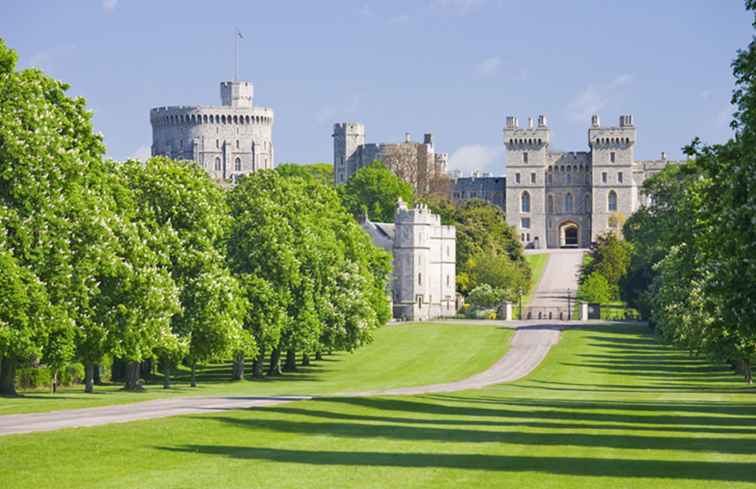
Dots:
pixel 455 68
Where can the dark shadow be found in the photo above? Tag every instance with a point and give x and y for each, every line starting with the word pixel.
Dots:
pixel 630 468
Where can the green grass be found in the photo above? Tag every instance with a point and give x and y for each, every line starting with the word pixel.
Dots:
pixel 537 266
pixel 609 408
pixel 401 356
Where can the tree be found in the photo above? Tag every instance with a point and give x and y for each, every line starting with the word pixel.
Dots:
pixel 485 296
pixel 322 172
pixel 374 191
pixel 499 272
pixel 595 288
pixel 610 258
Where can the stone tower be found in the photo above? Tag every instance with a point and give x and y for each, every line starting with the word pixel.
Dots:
pixel 348 138
pixel 615 194
pixel 527 159
pixel 228 141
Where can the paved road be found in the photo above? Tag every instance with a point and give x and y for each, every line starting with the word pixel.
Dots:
pixel 530 345
pixel 559 277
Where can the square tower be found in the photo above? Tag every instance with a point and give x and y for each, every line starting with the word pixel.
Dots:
pixel 236 94
pixel 527 158
pixel 615 195
pixel 348 139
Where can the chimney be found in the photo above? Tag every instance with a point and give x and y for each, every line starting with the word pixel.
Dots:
pixel 428 139
pixel 530 123
pixel 541 120
pixel 511 122
pixel 595 122
pixel 407 137
pixel 663 155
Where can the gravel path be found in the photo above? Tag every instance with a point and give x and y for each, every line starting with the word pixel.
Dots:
pixel 530 345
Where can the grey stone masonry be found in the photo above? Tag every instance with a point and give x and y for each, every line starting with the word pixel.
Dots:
pixel 568 199
pixel 424 260
pixel 228 141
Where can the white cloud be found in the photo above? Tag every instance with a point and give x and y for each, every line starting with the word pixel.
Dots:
pixel 329 113
pixel 365 11
pixel 142 153
pixel 456 7
pixel 478 157
pixel 487 67
pixel 595 97
pixel 109 5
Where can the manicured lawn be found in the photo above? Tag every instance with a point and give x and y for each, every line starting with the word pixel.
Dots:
pixel 537 265
pixel 401 355
pixel 609 408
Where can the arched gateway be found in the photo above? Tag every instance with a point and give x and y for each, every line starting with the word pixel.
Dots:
pixel 569 235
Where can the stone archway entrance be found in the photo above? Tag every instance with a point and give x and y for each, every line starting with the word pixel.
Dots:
pixel 569 235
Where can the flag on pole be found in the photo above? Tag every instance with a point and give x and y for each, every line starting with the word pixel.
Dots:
pixel 238 33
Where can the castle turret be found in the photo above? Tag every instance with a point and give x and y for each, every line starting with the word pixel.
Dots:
pixel 615 195
pixel 527 152
pixel 236 94
pixel 348 137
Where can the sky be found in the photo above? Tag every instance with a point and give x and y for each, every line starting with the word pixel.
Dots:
pixel 455 68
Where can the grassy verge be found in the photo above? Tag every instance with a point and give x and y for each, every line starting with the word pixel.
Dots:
pixel 400 356
pixel 537 264
pixel 608 408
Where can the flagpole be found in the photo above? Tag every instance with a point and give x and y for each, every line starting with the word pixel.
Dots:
pixel 236 55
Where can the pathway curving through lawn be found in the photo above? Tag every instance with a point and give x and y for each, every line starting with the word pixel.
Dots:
pixel 530 345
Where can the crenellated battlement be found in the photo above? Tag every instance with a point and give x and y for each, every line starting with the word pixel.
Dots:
pixel 516 137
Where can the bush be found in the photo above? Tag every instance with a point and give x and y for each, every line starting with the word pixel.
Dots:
pixel 33 377
pixel 485 296
pixel 595 289
pixel 71 374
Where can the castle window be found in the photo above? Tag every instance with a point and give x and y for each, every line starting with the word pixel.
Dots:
pixel 447 280
pixel 619 177
pixel 525 223
pixel 525 202
pixel 550 204
pixel 217 164
pixel 569 178
pixel 587 178
pixel 517 178
pixel 612 200
pixel 603 177
pixel 525 157
pixel 587 203
pixel 204 118
pixel 237 164
pixel 419 279
pixel 532 178
pixel 237 144
pixel 568 203
pixel 612 157
pixel 217 143
pixel 548 178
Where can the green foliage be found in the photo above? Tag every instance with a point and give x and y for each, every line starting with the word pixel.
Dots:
pixel 500 273
pixel 595 288
pixel 322 172
pixel 610 258
pixel 692 266
pixel 485 296
pixel 374 190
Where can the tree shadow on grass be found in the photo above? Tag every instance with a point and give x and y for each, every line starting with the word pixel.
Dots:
pixel 575 466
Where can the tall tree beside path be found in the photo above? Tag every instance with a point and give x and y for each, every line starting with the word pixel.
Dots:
pixel 374 190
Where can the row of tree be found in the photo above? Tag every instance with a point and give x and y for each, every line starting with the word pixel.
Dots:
pixel 694 248
pixel 155 261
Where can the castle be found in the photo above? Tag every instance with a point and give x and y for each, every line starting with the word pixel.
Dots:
pixel 228 141
pixel 424 278
pixel 417 163
pixel 568 199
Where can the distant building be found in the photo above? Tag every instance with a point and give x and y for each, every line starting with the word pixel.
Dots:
pixel 485 187
pixel 417 163
pixel 228 141
pixel 424 280
pixel 568 199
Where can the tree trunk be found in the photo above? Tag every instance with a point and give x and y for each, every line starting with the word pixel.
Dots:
pixel 166 376
pixel 145 369
pixel 305 359
pixel 274 368
pixel 318 355
pixel 748 371
pixel 132 376
pixel 118 370
pixel 8 376
pixel 97 374
pixel 291 361
pixel 89 377
pixel 238 371
pixel 257 365
pixel 194 374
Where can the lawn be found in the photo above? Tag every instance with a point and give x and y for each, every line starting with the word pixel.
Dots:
pixel 609 408
pixel 401 356
pixel 537 264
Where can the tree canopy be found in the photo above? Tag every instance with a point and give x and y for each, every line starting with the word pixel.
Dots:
pixel 374 191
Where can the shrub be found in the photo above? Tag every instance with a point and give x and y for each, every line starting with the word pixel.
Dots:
pixel 33 377
pixel 595 289
pixel 485 296
pixel 72 373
